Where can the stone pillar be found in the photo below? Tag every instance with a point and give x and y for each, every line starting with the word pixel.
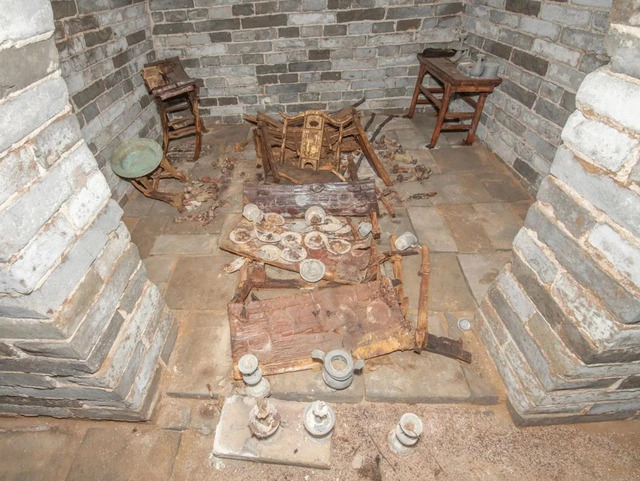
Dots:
pixel 83 333
pixel 562 318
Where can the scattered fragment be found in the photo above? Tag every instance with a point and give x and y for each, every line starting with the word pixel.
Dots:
pixel 406 434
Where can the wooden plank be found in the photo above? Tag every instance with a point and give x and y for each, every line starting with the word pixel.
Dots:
pixel 337 198
pixel 422 328
pixel 364 319
pixel 371 155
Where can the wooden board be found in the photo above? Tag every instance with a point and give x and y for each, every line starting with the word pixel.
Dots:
pixel 348 268
pixel 364 319
pixel 337 198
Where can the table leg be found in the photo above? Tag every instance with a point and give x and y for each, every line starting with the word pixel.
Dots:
pixel 441 113
pixel 476 119
pixel 416 91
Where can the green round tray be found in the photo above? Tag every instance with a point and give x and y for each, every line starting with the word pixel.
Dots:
pixel 136 158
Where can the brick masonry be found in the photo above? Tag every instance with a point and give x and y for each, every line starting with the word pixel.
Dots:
pixel 297 55
pixel 562 320
pixel 83 332
pixel 103 46
pixel 546 49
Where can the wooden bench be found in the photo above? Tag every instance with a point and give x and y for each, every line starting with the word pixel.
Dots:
pixel 453 81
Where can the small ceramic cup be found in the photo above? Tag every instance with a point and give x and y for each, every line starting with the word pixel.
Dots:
pixel 406 240
pixel 252 213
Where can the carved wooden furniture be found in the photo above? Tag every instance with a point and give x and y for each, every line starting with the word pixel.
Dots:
pixel 176 95
pixel 307 148
pixel 453 81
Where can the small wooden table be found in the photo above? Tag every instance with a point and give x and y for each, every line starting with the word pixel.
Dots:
pixel 453 82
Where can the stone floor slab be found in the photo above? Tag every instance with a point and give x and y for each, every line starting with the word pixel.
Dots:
pixel 499 222
pixel 457 188
pixel 448 290
pixel 415 378
pixel 431 229
pixel 201 361
pixel 190 244
pixel 503 186
pixel 472 159
pixel 38 451
pixel 193 462
pixel 465 227
pixel 481 269
pixel 159 268
pixel 309 386
pixel 290 445
pixel 125 452
pixel 200 283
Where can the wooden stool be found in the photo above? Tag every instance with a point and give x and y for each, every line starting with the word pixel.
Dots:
pixel 453 81
pixel 176 95
pixel 149 184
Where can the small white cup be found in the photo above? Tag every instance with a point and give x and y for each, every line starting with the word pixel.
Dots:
pixel 406 240
pixel 252 213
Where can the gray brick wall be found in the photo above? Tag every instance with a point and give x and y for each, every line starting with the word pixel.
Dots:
pixel 546 48
pixel 103 46
pixel 83 332
pixel 297 55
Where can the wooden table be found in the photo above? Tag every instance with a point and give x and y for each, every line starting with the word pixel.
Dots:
pixel 453 81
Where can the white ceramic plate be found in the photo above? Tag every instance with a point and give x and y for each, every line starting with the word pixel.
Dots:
pixel 315 240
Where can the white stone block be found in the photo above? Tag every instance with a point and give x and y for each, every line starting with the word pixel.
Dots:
pixel 20 115
pixel 24 19
pixel 611 96
pixel 607 147
pixel 622 254
pixel 85 204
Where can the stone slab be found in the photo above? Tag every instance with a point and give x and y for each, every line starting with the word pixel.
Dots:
pixel 499 222
pixel 159 268
pixel 457 188
pixel 309 386
pixel 201 360
pixel 481 269
pixel 468 159
pixel 169 244
pixel 291 444
pixel 431 229
pixel 40 451
pixel 415 378
pixel 199 283
pixel 448 290
pixel 123 451
pixel 466 228
pixel 193 461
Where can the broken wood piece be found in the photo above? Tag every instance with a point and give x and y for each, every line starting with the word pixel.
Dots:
pixel 422 327
pixel 338 198
pixel 375 231
pixel 447 347
pixel 382 197
pixel 364 319
pixel 397 274
pixel 354 229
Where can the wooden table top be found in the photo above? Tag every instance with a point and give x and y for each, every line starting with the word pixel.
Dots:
pixel 447 71
pixel 165 75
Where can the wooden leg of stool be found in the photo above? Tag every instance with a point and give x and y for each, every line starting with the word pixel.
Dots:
pixel 170 171
pixel 148 189
pixel 476 119
pixel 446 96
pixel 193 101
pixel 416 91
pixel 165 127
